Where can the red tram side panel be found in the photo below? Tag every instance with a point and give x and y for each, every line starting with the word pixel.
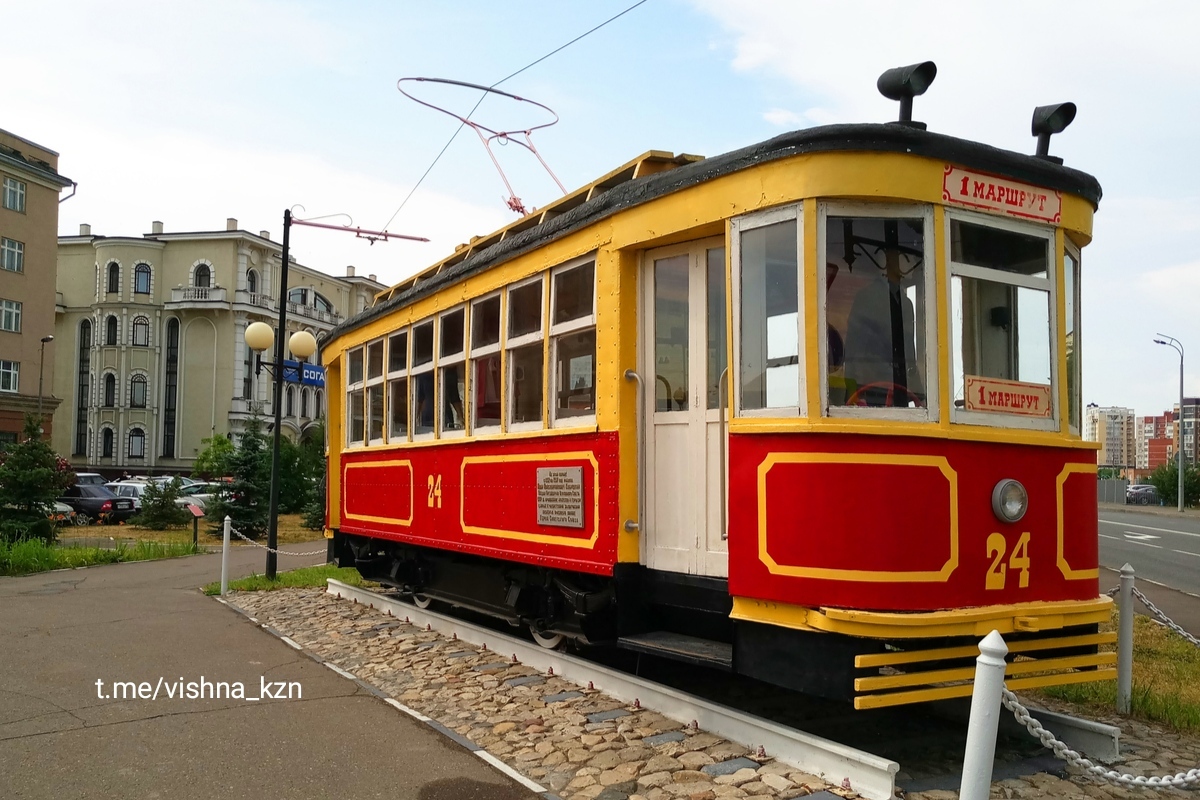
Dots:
pixel 906 524
pixel 481 498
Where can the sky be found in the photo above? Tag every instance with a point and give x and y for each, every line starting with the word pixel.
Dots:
pixel 191 112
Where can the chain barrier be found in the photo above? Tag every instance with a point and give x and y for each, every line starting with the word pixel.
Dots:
pixel 1065 753
pixel 1170 623
pixel 238 534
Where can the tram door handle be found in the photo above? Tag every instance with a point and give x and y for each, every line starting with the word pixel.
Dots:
pixel 721 383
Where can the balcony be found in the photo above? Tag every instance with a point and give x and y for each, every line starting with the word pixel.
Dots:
pixel 316 314
pixel 256 299
pixel 199 297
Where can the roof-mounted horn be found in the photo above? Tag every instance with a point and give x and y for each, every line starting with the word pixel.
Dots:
pixel 905 83
pixel 1048 120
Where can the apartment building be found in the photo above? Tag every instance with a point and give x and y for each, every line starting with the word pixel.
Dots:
pixel 1188 417
pixel 1155 440
pixel 1113 427
pixel 29 197
pixel 151 331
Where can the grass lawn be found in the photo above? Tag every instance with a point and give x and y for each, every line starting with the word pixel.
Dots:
pixel 290 531
pixel 308 577
pixel 24 558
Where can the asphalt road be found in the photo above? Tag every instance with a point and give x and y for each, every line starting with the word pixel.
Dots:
pixel 1164 548
pixel 62 735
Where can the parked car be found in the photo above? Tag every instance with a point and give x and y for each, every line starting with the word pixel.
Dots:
pixel 1142 494
pixel 63 514
pixel 90 479
pixel 98 503
pixel 198 494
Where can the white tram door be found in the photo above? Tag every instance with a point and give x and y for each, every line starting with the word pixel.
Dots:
pixel 684 351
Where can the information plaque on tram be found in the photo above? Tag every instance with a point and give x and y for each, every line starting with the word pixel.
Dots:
pixel 560 496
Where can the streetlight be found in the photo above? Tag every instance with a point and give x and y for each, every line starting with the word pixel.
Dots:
pixel 259 337
pixel 41 363
pixel 1178 347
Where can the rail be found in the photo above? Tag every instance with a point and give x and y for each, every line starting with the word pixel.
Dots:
pixel 722 381
pixel 640 435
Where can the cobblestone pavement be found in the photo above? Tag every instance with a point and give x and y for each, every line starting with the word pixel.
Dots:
pixel 581 744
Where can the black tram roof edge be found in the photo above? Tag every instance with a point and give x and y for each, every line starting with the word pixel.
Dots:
pixel 857 137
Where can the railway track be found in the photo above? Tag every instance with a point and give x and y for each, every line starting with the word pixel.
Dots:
pixel 883 752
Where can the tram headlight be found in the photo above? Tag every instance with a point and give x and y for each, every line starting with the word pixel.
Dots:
pixel 1009 500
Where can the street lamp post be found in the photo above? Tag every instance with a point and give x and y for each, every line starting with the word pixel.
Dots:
pixel 1178 347
pixel 41 364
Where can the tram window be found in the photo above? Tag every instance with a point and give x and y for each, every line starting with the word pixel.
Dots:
pixel 671 333
pixel 574 291
pixel 875 311
pixel 398 409
pixel 1002 356
pixel 526 366
pixel 452 333
pixel 398 352
pixel 375 403
pixel 486 383
pixel 375 359
pixel 1071 295
pixel 525 309
pixel 717 337
pixel 770 345
pixel 355 360
pixel 422 343
pixel 355 412
pixel 452 373
pixel 575 374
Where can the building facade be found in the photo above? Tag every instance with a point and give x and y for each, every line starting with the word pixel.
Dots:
pixel 151 331
pixel 1113 427
pixel 1155 440
pixel 1187 428
pixel 29 197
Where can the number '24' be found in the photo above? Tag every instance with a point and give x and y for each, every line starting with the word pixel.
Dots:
pixel 997 573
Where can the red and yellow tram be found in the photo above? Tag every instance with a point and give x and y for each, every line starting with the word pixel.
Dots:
pixel 808 411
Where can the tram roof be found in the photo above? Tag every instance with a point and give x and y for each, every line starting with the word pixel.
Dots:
pixel 658 173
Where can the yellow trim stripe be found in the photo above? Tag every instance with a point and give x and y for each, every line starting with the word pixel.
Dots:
pixel 1067 571
pixel 965 689
pixel 1019 647
pixel 875 683
pixel 539 538
pixel 1019 617
pixel 378 465
pixel 859 575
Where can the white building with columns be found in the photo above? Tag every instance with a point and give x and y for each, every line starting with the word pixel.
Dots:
pixel 151 351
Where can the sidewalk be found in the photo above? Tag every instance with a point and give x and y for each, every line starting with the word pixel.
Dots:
pixel 1158 511
pixel 63 736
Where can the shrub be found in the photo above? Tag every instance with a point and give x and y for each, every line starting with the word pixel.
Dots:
pixel 159 510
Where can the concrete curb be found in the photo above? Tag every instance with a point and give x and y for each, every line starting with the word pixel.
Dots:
pixel 455 737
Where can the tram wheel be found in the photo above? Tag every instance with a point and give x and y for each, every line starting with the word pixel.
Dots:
pixel 421 601
pixel 550 641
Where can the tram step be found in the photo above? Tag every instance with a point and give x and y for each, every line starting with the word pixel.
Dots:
pixel 690 649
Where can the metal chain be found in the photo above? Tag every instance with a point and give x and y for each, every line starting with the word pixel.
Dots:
pixel 238 534
pixel 1062 751
pixel 1170 623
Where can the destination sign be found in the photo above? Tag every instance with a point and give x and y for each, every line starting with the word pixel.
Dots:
pixel 1008 397
pixel 1000 195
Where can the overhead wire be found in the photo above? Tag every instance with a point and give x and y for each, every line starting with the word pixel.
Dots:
pixel 461 125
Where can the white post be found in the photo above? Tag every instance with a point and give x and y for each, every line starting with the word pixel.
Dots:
pixel 1125 641
pixel 985 718
pixel 225 558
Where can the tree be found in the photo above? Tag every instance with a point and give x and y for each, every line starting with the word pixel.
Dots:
pixel 295 478
pixel 247 499
pixel 213 461
pixel 32 477
pixel 1166 480
pixel 159 510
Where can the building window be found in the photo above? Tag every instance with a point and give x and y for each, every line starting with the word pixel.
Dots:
pixel 170 388
pixel 110 390
pixel 487 386
pixel 289 407
pixel 106 443
pixel 321 303
pixel 422 379
pixel 114 277
pixel 137 443
pixel 12 255
pixel 202 277
pixel 10 316
pixel 10 372
pixel 14 195
pixel 83 387
pixel 141 279
pixel 137 391
pixel 141 332
pixel 110 330
pixel 252 281
pixel 526 350
pixel 298 297
pixel 304 403
pixel 573 341
pixel 451 372
pixel 319 404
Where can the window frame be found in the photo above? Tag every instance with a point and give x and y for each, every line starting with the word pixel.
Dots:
pixel 140 324
pixel 512 343
pixel 109 379
pixel 442 361
pixel 1075 252
pixel 135 381
pixel 15 188
pixel 12 251
pixel 566 328
pixel 141 435
pixel 10 310
pixel 370 383
pixel 484 351
pixel 931 413
pixel 351 388
pixel 139 269
pixel 414 371
pixel 390 377
pixel 11 370
pixel 962 416
pixel 737 227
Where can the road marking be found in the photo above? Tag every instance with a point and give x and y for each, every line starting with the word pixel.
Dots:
pixel 1140 537
pixel 1131 541
pixel 1148 528
pixel 1186 553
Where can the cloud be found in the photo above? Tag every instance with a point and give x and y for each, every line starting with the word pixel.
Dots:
pixel 783 118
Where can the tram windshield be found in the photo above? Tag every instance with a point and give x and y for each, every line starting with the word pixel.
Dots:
pixel 875 311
